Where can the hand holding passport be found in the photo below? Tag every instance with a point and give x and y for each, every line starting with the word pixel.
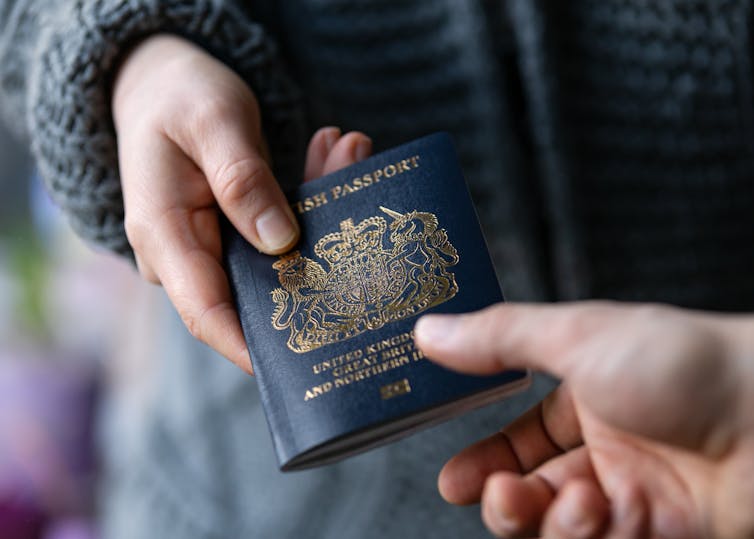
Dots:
pixel 330 324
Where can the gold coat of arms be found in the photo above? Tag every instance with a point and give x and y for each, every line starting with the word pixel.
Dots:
pixel 378 273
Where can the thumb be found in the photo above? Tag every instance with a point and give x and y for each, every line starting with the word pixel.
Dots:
pixel 508 336
pixel 646 370
pixel 230 151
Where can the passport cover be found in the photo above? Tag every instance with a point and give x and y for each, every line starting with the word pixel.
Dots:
pixel 329 325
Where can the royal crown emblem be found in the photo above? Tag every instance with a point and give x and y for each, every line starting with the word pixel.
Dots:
pixel 378 273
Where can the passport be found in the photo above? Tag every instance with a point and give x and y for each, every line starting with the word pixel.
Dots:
pixel 329 325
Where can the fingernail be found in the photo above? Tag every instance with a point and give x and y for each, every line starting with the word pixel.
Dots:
pixel 276 229
pixel 507 525
pixel 436 329
pixel 501 523
pixel 331 137
pixel 363 149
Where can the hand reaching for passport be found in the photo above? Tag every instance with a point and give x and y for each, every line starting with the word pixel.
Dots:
pixel 650 435
pixel 190 144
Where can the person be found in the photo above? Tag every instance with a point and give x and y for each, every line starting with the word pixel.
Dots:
pixel 606 145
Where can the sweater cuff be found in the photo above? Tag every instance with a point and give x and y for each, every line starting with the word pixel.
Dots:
pixel 70 121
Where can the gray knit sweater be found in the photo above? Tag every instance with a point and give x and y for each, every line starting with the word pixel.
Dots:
pixel 609 145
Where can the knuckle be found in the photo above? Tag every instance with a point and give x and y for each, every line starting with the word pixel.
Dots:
pixel 493 320
pixel 585 319
pixel 577 327
pixel 145 270
pixel 192 321
pixel 137 233
pixel 210 111
pixel 152 278
pixel 202 322
pixel 242 180
pixel 498 313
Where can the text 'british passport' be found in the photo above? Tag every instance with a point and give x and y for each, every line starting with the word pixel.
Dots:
pixel 329 325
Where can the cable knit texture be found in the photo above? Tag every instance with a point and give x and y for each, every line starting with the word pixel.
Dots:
pixel 608 144
pixel 642 117
pixel 67 76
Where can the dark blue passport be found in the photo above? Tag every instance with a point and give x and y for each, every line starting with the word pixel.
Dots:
pixel 329 325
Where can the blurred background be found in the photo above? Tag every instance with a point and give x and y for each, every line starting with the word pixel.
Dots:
pixel 70 324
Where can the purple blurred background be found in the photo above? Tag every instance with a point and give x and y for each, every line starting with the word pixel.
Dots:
pixel 63 312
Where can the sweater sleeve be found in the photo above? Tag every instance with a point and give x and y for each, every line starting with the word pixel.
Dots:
pixel 57 60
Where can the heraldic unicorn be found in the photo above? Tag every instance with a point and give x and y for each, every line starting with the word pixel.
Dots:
pixel 372 280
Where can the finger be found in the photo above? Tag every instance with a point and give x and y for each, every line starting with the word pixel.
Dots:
pixel 514 336
pixel 152 168
pixel 351 148
pixel 226 142
pixel 145 270
pixel 197 285
pixel 172 225
pixel 319 148
pixel 629 514
pixel 545 431
pixel 580 511
pixel 461 480
pixel 514 506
